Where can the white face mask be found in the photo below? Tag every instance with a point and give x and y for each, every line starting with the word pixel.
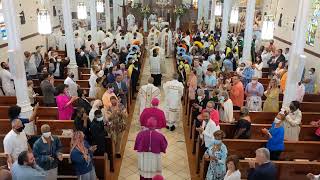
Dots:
pixel 276 120
pixel 254 81
pixel 100 119
pixel 310 72
pixel 46 134
pixel 199 98
pixel 58 60
pixel 82 53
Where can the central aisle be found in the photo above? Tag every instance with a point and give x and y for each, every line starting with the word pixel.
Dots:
pixel 175 162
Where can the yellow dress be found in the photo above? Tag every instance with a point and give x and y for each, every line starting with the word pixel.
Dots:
pixel 272 102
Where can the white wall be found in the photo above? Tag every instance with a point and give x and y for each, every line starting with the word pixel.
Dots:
pixel 30 8
pixel 289 10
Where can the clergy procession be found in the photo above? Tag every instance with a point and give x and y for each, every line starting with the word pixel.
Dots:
pixel 154 90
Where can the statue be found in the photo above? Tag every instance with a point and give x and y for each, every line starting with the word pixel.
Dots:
pixel 131 21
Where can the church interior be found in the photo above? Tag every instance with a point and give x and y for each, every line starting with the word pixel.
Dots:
pixel 159 89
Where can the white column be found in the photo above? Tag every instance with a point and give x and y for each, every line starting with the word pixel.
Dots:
pixel 200 11
pixel 296 58
pixel 67 22
pixel 227 5
pixel 213 17
pixel 206 7
pixel 16 62
pixel 248 32
pixel 93 18
pixel 108 15
pixel 115 14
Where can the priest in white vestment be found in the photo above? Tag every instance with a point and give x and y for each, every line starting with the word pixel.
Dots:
pixel 147 93
pixel 131 22
pixel 78 41
pixel 152 38
pixel 7 80
pixel 162 59
pixel 62 42
pixel 166 42
pixel 155 67
pixel 173 91
pixel 100 36
pixel 72 85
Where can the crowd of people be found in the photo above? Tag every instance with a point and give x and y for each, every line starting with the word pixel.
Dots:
pixel 218 81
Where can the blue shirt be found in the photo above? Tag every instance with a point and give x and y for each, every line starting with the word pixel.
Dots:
pixel 210 81
pixel 42 151
pixel 27 172
pixel 81 166
pixel 276 142
pixel 228 66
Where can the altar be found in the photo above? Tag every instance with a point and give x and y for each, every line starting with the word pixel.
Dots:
pixel 160 24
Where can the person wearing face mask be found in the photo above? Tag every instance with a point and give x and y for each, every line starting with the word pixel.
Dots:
pixel 117 118
pixel 97 105
pixel 292 122
pixel 98 132
pixel 38 58
pixel 247 74
pixel 254 91
pixel 81 57
pixel 226 108
pixel 237 93
pixel 217 155
pixel 240 69
pixel 7 80
pixel 26 168
pixel 73 86
pixel 47 152
pixel 107 95
pixel 59 66
pixel 93 81
pixel 15 142
pixel 82 101
pixel 64 102
pixel 309 81
pixel 275 136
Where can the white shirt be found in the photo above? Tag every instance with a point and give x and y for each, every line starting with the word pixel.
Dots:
pixel 108 41
pixel 14 144
pixel 155 65
pixel 100 36
pixel 211 128
pixel 78 42
pixel 7 84
pixel 73 86
pixel 236 175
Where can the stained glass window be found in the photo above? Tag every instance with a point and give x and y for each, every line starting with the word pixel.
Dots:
pixel 313 24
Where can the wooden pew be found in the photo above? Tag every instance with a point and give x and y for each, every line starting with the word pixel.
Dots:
pixel 65 141
pixel 245 148
pixel 84 76
pixel 12 100
pixel 66 171
pixel 306 133
pixel 82 83
pixel 286 170
pixel 84 70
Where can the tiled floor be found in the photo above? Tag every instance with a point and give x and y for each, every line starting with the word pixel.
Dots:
pixel 175 164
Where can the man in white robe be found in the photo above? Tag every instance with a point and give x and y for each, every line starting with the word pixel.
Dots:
pixel 131 21
pixel 62 41
pixel 166 42
pixel 152 38
pixel 7 80
pixel 78 41
pixel 73 86
pixel 162 59
pixel 147 93
pixel 100 35
pixel 173 91
pixel 30 64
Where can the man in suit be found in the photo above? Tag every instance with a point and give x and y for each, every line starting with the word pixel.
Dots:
pixel 48 90
pixel 276 59
pixel 120 89
pixel 265 170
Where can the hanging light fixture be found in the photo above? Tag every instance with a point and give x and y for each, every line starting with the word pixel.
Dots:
pixel 44 22
pixel 100 6
pixel 82 11
pixel 195 4
pixel 267 28
pixel 218 10
pixel 234 17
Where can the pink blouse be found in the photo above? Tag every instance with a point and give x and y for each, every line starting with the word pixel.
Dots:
pixel 64 112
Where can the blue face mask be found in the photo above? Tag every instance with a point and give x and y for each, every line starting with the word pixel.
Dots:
pixel 217 141
pixel 222 99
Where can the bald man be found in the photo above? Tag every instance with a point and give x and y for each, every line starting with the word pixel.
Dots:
pixel 15 142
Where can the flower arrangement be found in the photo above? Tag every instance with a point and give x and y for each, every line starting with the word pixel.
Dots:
pixel 179 11
pixel 145 10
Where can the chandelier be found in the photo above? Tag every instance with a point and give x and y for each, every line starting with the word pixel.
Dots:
pixel 44 22
pixel 218 10
pixel 234 17
pixel 100 7
pixel 267 28
pixel 82 11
